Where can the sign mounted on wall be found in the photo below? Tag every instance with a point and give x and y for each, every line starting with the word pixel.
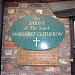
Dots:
pixel 37 32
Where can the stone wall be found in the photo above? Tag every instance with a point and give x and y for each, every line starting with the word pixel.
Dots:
pixel 15 11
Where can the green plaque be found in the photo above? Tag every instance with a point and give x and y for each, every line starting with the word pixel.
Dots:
pixel 37 32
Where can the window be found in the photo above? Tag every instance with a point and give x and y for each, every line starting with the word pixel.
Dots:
pixel 72 30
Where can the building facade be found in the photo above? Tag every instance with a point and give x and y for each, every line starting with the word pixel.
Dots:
pixel 16 60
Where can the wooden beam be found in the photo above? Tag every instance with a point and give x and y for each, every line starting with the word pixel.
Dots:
pixel 65 13
pixel 63 8
pixel 1 22
pixel 35 1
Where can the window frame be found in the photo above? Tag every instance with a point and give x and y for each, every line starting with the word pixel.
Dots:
pixel 72 19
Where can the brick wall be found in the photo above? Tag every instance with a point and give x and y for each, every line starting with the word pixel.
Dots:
pixel 14 11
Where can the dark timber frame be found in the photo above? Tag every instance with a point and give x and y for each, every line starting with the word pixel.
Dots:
pixel 71 30
pixel 72 19
pixel 1 21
